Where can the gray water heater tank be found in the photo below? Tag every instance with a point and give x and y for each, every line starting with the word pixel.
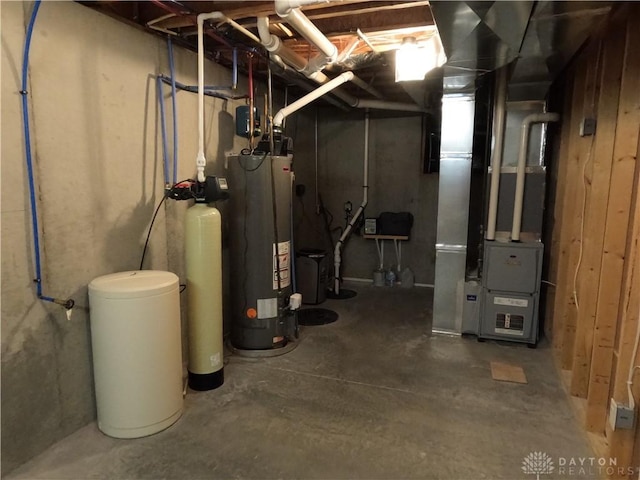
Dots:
pixel 260 264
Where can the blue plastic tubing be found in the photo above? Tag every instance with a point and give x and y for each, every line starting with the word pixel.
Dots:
pixel 173 106
pixel 27 149
pixel 163 129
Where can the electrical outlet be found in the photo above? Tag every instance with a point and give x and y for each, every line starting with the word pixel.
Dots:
pixel 621 417
pixel 587 127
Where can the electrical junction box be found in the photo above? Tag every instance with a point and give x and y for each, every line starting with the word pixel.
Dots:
pixel 587 127
pixel 621 417
pixel 370 226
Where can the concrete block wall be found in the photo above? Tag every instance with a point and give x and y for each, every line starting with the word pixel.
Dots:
pixel 98 163
pixel 97 151
pixel 396 184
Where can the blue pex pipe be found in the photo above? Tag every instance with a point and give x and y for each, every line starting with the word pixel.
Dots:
pixel 27 149
pixel 163 123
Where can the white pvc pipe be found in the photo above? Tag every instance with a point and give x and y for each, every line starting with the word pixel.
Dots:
pixel 241 29
pixel 310 70
pixel 365 39
pixel 284 5
pixel 201 161
pixel 289 11
pixel 498 146
pixel 337 257
pixel 310 97
pixel 348 50
pixel 275 46
pixel 310 32
pixel 522 164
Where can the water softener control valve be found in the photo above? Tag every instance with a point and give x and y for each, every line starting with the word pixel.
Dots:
pixel 211 190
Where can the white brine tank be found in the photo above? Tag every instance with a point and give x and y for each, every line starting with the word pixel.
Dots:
pixel 137 352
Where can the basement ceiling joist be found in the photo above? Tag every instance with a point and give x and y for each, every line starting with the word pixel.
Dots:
pixel 339 20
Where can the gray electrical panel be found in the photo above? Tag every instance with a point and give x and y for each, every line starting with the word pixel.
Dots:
pixel 511 290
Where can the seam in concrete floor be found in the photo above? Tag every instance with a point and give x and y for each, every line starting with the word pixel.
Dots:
pixel 341 380
pixel 337 407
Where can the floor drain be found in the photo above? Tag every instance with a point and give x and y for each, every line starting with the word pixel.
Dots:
pixel 343 295
pixel 316 316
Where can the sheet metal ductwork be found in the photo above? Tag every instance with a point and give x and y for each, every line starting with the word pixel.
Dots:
pixel 534 40
pixel 540 37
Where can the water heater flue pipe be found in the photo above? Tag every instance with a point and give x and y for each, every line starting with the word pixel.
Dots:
pixel 310 97
pixel 522 164
pixel 337 257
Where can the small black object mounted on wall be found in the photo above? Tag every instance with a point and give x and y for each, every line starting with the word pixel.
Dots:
pixel 395 223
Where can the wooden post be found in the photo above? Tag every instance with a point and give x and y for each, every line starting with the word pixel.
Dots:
pixel 555 248
pixel 622 442
pixel 584 101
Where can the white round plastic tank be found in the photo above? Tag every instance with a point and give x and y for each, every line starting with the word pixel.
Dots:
pixel 137 352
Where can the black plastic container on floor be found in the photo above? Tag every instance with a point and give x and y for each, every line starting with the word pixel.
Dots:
pixel 311 274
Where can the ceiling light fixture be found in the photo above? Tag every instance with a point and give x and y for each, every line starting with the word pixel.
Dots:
pixel 414 60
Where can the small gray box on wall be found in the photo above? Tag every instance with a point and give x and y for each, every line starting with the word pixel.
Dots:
pixel 471 307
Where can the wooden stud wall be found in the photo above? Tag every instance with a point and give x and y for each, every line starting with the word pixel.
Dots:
pixel 595 244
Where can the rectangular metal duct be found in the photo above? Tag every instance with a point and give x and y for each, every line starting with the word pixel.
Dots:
pixel 539 37
pixel 453 209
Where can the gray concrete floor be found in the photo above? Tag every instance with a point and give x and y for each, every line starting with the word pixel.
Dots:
pixel 373 396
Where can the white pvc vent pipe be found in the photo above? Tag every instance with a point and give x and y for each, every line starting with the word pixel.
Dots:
pixel 498 147
pixel 289 11
pixel 310 97
pixel 312 69
pixel 337 257
pixel 522 165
